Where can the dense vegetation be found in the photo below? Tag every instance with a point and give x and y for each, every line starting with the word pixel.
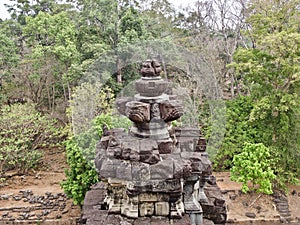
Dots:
pixel 246 55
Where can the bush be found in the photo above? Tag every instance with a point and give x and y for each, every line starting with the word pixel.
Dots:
pixel 81 174
pixel 80 150
pixel 23 131
pixel 238 131
pixel 252 167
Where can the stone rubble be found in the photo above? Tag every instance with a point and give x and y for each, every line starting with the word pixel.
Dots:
pixel 282 206
pixel 38 207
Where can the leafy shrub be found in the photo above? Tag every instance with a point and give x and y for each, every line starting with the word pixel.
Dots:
pixel 238 131
pixel 252 167
pixel 80 150
pixel 23 131
pixel 81 174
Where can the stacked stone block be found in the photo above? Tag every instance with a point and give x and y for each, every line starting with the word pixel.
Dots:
pixel 154 170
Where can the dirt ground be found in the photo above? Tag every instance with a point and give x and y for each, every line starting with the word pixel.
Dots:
pixel 263 206
pixel 38 196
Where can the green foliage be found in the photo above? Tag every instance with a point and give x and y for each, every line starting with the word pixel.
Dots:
pixel 80 150
pixel 80 176
pixel 8 53
pixel 253 168
pixel 271 72
pixel 53 34
pixel 110 122
pixel 23 132
pixel 19 10
pixel 132 27
pixel 238 131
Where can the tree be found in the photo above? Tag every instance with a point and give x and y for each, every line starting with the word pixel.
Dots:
pixel 108 25
pixel 271 71
pixel 214 28
pixel 19 10
pixel 160 18
pixel 51 41
pixel 8 60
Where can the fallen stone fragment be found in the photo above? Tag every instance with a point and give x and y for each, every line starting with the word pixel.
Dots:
pixel 4 197
pixel 17 197
pixel 233 197
pixel 230 221
pixel 65 211
pixel 5 214
pixel 250 214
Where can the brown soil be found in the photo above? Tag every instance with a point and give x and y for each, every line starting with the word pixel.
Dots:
pixel 263 206
pixel 46 182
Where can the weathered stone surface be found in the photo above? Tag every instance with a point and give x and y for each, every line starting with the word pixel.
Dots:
pixel 171 110
pixel 159 220
pixel 150 88
pixel 140 171
pixel 207 222
pixel 250 214
pixel 117 132
pixel 148 197
pixel 162 170
pixel 219 202
pixel 113 219
pixel 99 159
pixel 154 170
pixel 94 197
pixel 123 171
pixel 121 104
pixel 165 146
pixel 130 207
pixel 114 141
pixel 181 167
pixel 186 145
pixel 130 146
pixel 146 209
pixel 147 145
pixel 142 221
pixel 150 68
pixel 108 168
pixel 113 152
pixel 95 216
pixel 138 112
pixel 184 221
pixel 151 159
pixel 162 208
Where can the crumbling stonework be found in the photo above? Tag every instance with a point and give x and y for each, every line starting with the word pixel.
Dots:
pixel 154 173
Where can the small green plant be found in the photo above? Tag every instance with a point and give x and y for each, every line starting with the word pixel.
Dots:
pixel 252 167
pixel 23 132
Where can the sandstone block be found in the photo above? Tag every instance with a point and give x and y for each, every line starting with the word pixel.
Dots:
pixel 162 170
pixel 162 208
pixel 140 171
pixel 146 209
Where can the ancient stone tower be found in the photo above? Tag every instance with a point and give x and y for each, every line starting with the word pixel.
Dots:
pixel 155 174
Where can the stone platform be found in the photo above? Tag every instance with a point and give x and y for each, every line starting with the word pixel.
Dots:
pixel 94 211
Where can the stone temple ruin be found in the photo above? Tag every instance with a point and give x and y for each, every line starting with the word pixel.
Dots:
pixel 155 174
